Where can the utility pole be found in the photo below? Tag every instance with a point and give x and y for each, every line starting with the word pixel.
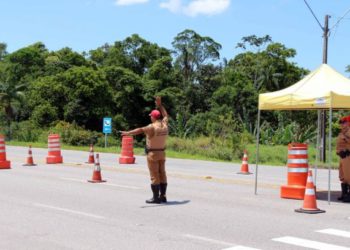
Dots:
pixel 323 117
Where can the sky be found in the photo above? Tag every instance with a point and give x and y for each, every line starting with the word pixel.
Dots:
pixel 83 25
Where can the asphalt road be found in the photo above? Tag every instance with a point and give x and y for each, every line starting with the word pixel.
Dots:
pixel 210 207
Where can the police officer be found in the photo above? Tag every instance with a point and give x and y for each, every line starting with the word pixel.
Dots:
pixel 343 150
pixel 156 135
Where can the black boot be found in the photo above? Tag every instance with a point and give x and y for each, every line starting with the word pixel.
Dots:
pixel 155 190
pixel 163 187
pixel 346 196
pixel 344 190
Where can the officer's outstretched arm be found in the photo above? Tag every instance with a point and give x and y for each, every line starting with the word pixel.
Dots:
pixel 136 131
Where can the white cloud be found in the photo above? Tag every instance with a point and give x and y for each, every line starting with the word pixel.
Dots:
pixel 130 2
pixel 172 5
pixel 206 7
pixel 197 7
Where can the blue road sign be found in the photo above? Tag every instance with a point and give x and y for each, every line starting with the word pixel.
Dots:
pixel 107 125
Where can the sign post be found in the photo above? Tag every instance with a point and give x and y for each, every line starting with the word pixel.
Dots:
pixel 107 127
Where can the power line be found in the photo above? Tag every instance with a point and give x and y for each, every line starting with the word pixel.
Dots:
pixel 340 19
pixel 314 15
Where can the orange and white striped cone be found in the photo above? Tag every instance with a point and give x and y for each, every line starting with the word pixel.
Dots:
pixel 91 159
pixel 96 175
pixel 244 166
pixel 310 206
pixel 30 161
pixel 4 164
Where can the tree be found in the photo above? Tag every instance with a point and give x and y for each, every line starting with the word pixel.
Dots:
pixel 11 96
pixel 27 63
pixel 267 68
pixel 239 95
pixel 208 77
pixel 127 95
pixel 3 51
pixel 254 41
pixel 134 53
pixel 80 94
pixel 192 51
pixel 62 60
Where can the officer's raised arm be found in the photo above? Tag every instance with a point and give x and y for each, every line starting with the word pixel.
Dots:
pixel 161 107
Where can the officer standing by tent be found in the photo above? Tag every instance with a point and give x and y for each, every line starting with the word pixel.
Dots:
pixel 156 135
pixel 343 150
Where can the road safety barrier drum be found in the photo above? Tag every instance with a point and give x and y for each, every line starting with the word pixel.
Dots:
pixel 4 164
pixel 127 153
pixel 54 148
pixel 298 167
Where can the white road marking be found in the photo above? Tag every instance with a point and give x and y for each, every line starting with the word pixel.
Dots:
pixel 335 232
pixel 103 183
pixel 121 186
pixel 69 211
pixel 72 179
pixel 240 248
pixel 309 243
pixel 209 240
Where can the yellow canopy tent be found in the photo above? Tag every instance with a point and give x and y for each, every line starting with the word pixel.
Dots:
pixel 323 88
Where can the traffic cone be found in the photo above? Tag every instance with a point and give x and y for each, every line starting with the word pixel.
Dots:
pixel 96 175
pixel 91 159
pixel 30 161
pixel 4 164
pixel 310 206
pixel 244 167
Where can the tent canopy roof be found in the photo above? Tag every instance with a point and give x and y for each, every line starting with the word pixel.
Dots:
pixel 323 88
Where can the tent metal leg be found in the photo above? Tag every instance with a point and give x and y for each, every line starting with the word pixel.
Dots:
pixel 317 146
pixel 330 155
pixel 257 154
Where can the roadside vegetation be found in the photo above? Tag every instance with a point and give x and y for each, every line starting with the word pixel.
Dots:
pixel 212 101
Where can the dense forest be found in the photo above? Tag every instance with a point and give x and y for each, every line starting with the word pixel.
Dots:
pixel 205 95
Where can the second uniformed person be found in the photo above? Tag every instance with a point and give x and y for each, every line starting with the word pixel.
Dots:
pixel 343 150
pixel 156 135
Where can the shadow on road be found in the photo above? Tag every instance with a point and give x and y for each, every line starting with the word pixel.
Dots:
pixel 323 195
pixel 169 203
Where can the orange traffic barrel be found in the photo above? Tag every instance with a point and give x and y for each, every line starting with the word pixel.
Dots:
pixel 54 147
pixel 298 167
pixel 4 164
pixel 127 153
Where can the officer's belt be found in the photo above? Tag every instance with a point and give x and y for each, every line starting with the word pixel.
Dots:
pixel 155 149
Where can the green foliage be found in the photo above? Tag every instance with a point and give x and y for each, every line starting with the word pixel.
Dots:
pixel 72 134
pixel 3 51
pixel 25 131
pixel 27 63
pixel 134 53
pixel 120 80
pixel 211 147
pixel 44 114
pixel 292 132
pixel 111 141
pixel 192 51
pixel 127 95
pixel 179 127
